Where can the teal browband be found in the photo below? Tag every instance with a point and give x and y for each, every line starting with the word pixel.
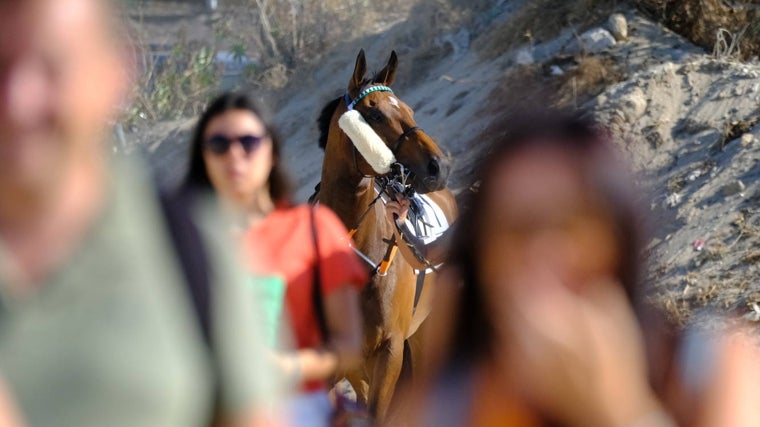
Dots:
pixel 364 93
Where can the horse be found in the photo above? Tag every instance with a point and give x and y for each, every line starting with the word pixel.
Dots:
pixel 383 136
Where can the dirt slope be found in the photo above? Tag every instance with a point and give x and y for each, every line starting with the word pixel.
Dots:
pixel 686 120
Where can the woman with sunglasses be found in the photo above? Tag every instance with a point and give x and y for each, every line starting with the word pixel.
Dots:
pixel 236 153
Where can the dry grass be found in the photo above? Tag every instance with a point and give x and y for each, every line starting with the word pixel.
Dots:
pixel 708 287
pixel 713 251
pixel 715 25
pixel 586 80
pixel 541 20
pixel 748 230
pixel 752 257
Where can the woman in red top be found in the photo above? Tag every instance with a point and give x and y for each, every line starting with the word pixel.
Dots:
pixel 237 154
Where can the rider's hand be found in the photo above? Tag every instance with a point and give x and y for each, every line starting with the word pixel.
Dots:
pixel 399 208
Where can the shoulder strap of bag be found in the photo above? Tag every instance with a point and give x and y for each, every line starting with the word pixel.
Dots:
pixel 191 253
pixel 196 269
pixel 316 293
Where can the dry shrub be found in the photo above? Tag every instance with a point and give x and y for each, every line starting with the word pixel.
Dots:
pixel 173 85
pixel 677 309
pixel 540 20
pixel 532 88
pixel 587 79
pixel 527 87
pixel 702 21
pixel 295 33
pixel 715 251
pixel 752 257
pixel 301 32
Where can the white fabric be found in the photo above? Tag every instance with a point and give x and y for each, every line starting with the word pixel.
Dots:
pixel 434 217
pixel 366 141
pixel 431 223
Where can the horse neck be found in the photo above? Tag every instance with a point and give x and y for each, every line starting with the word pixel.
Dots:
pixel 346 190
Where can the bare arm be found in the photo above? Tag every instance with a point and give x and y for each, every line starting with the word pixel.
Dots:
pixel 343 350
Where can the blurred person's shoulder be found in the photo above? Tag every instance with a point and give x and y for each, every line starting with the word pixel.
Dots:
pixel 111 324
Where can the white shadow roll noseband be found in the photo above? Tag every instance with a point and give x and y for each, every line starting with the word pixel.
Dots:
pixel 367 142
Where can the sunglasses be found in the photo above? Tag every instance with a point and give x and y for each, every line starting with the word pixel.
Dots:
pixel 219 144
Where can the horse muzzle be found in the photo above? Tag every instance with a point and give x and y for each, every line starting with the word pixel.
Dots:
pixel 432 176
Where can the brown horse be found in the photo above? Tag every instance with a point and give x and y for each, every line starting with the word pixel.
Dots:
pixel 349 174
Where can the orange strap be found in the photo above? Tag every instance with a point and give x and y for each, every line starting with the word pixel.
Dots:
pixel 385 264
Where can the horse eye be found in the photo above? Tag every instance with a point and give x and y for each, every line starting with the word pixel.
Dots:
pixel 375 115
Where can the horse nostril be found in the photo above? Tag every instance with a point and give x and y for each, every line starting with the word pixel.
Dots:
pixel 434 167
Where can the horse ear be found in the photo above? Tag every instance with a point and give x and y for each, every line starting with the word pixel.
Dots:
pixel 360 69
pixel 388 74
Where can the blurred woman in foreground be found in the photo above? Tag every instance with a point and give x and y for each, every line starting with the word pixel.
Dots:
pixel 237 154
pixel 543 296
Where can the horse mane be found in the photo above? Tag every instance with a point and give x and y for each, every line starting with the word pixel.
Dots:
pixel 325 117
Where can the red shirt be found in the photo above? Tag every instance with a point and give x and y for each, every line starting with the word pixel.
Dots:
pixel 282 244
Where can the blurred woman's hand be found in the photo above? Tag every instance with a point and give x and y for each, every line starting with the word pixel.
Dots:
pixel 579 356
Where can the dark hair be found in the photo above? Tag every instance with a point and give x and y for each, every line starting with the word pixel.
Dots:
pixel 197 176
pixel 473 335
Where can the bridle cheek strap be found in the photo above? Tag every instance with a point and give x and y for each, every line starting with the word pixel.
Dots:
pixel 367 142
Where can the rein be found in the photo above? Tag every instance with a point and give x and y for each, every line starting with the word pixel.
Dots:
pixel 396 183
pixel 381 268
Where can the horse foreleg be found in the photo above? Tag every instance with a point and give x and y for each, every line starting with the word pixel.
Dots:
pixel 385 373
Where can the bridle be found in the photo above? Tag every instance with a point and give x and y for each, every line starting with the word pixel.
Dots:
pixel 386 184
pixel 350 104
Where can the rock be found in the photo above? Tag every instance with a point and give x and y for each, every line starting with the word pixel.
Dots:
pixel 746 73
pixel 693 175
pixel 672 200
pixel 754 315
pixel 524 57
pixel 634 105
pixel 618 26
pixel 601 99
pixel 747 139
pixel 732 188
pixel 597 40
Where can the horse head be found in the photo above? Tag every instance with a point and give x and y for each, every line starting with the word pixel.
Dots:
pixel 383 130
